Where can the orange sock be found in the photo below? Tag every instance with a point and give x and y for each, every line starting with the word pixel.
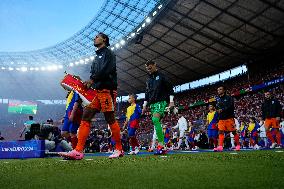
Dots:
pixel 221 139
pixel 115 130
pixel 269 136
pixel 278 137
pixel 84 131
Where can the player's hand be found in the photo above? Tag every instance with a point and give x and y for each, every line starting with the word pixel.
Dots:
pixel 88 83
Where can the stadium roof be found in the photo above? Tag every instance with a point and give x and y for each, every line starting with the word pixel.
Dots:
pixel 193 39
pixel 188 39
pixel 116 18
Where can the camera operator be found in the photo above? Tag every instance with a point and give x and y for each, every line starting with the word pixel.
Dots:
pixel 51 134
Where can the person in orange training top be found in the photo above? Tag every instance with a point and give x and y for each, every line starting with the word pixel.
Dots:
pixel 104 79
pixel 271 111
pixel 225 109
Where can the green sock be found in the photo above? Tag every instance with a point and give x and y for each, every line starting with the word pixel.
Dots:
pixel 159 130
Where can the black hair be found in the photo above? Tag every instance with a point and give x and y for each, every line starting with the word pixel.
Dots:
pixel 150 62
pixel 222 86
pixel 49 120
pixel 134 95
pixel 212 104
pixel 105 37
pixel 31 117
pixel 253 119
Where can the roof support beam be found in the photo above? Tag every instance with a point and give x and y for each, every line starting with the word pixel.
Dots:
pixel 243 20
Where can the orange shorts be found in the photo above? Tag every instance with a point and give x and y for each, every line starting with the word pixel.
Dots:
pixel 227 125
pixel 271 122
pixel 105 101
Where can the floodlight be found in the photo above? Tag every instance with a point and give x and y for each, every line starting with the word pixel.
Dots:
pixel 148 20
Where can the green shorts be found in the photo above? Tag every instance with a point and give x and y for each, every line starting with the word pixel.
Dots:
pixel 159 107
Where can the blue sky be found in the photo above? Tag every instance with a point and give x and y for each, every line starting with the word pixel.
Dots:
pixel 35 24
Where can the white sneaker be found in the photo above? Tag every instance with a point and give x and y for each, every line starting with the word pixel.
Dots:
pixel 278 146
pixel 131 153
pixel 116 154
pixel 256 147
pixel 195 148
pixel 273 145
pixel 136 151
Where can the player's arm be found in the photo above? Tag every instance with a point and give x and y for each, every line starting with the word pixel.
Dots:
pixel 75 108
pixel 23 130
pixel 169 88
pixel 263 111
pixel 76 105
pixel 207 124
pixel 125 124
pixel 146 98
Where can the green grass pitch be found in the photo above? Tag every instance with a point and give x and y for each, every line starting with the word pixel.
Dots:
pixel 253 169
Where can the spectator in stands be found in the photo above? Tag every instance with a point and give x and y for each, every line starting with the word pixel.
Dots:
pixel 271 111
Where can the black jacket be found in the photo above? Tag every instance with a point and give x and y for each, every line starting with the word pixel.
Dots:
pixel 226 103
pixel 103 70
pixel 271 108
pixel 158 88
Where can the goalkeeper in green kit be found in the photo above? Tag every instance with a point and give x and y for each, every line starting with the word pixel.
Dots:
pixel 159 91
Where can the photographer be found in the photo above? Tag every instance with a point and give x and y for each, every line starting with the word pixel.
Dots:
pixel 52 136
